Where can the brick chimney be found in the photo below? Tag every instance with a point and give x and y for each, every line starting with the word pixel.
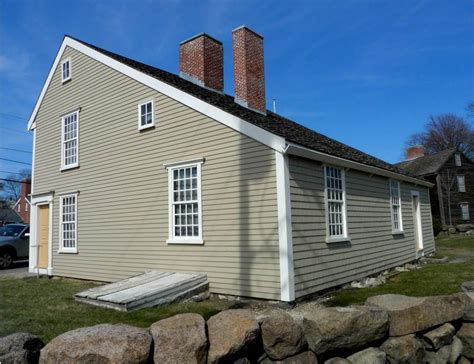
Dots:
pixel 249 75
pixel 25 187
pixel 415 151
pixel 201 60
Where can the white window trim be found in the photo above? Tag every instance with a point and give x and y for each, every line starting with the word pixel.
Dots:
pixel 63 80
pixel 140 104
pixel 61 248
pixel 195 240
pixel 468 212
pixel 73 165
pixel 459 177
pixel 344 237
pixel 457 159
pixel 400 217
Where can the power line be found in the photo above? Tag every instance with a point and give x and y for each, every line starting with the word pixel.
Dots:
pixel 16 150
pixel 13 116
pixel 15 130
pixel 13 180
pixel 21 174
pixel 10 160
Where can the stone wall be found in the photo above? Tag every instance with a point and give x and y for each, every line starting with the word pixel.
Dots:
pixel 387 329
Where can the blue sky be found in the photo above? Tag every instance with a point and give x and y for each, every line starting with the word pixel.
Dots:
pixel 368 73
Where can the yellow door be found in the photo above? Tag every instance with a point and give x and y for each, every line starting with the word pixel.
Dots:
pixel 43 235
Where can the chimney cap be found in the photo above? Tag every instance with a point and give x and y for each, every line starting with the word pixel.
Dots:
pixel 249 29
pixel 202 34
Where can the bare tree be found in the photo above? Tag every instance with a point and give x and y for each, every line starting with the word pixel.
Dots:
pixel 447 182
pixel 470 109
pixel 445 131
pixel 12 185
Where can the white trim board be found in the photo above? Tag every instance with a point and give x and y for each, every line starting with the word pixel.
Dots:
pixel 240 125
pixel 285 234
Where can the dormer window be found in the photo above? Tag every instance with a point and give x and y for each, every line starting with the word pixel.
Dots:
pixel 145 115
pixel 457 158
pixel 66 70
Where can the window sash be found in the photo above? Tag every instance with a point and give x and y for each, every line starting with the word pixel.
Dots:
pixel 335 202
pixel 457 158
pixel 465 211
pixel 68 223
pixel 461 184
pixel 146 115
pixel 66 70
pixel 70 136
pixel 396 206
pixel 185 203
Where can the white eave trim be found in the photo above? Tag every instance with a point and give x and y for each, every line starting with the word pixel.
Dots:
pixel 301 151
pixel 271 140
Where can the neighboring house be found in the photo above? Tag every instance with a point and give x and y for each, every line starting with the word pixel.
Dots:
pixel 137 169
pixel 452 173
pixel 22 206
pixel 8 216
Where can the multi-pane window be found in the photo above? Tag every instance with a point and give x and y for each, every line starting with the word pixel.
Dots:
pixel 457 158
pixel 68 215
pixel 185 203
pixel 145 115
pixel 465 211
pixel 335 202
pixel 461 184
pixel 395 202
pixel 70 130
pixel 66 70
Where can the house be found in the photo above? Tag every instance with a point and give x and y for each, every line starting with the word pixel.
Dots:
pixel 138 169
pixel 452 173
pixel 8 216
pixel 22 205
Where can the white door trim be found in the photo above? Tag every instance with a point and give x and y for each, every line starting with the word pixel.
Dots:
pixel 417 226
pixel 36 201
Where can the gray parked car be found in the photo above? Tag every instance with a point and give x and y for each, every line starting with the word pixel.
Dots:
pixel 14 243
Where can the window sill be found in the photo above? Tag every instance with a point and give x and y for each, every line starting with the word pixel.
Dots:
pixel 66 80
pixel 62 251
pixel 398 232
pixel 337 240
pixel 185 241
pixel 69 167
pixel 140 128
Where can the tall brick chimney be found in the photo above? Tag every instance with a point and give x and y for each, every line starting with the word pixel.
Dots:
pixel 249 75
pixel 415 151
pixel 201 60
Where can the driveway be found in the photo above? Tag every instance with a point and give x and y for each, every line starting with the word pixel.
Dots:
pixel 18 270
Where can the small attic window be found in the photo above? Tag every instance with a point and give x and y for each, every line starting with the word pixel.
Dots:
pixel 457 158
pixel 66 70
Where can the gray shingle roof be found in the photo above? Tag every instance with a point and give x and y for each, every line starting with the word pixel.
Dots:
pixel 274 123
pixel 9 215
pixel 429 164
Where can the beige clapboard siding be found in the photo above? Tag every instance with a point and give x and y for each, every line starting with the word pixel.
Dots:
pixel 373 248
pixel 123 186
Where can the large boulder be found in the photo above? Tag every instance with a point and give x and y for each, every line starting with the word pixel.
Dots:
pixel 180 339
pixel 20 348
pixel 282 336
pixel 306 357
pixel 439 337
pixel 412 314
pixel 344 328
pixel 456 350
pixel 466 335
pixel 469 313
pixel 369 355
pixel 404 350
pixel 231 334
pixel 99 344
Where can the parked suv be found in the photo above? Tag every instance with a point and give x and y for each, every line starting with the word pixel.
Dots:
pixel 14 243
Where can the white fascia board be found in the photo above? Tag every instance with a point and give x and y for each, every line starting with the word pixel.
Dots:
pixel 301 151
pixel 271 140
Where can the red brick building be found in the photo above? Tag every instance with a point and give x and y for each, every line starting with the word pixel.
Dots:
pixel 22 206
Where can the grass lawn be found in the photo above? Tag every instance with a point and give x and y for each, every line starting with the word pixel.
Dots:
pixel 431 280
pixel 45 307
